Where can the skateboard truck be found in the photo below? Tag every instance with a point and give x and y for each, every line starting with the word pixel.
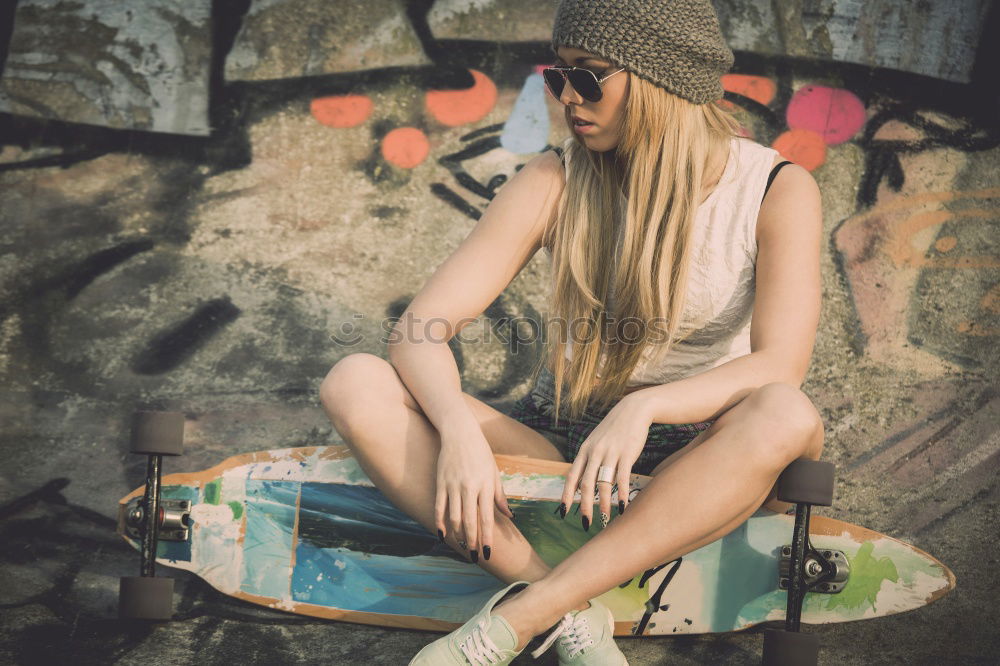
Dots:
pixel 802 568
pixel 174 519
pixel 825 571
pixel 147 597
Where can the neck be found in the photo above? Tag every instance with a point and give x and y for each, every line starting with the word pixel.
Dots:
pixel 715 166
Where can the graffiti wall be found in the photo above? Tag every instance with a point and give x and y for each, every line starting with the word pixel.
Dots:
pixel 206 206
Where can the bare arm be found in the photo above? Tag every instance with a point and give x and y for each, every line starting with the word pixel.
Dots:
pixel 785 315
pixel 502 242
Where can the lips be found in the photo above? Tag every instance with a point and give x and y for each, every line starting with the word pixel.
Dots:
pixel 580 122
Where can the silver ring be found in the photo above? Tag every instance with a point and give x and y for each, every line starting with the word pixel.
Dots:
pixel 605 474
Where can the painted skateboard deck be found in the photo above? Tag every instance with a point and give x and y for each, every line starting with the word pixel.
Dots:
pixel 304 530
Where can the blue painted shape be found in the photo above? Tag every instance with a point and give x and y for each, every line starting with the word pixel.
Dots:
pixel 747 572
pixel 359 518
pixel 428 586
pixel 267 546
pixel 527 128
pixel 402 570
pixel 176 551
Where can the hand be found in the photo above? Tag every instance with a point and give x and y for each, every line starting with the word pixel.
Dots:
pixel 468 487
pixel 616 442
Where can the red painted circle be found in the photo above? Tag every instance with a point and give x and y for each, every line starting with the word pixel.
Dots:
pixel 405 147
pixel 341 110
pixel 804 147
pixel 458 107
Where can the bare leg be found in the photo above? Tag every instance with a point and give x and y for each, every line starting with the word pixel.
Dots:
pixel 397 447
pixel 698 498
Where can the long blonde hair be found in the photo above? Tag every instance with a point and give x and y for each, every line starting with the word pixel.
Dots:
pixel 659 165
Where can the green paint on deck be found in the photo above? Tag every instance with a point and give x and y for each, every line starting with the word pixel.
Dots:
pixel 237 510
pixel 211 492
pixel 867 574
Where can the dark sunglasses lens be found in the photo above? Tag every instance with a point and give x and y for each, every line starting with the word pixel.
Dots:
pixel 585 83
pixel 554 79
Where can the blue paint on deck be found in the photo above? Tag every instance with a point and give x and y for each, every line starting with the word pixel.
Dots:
pixel 360 513
pixel 429 586
pixel 403 571
pixel 527 128
pixel 747 570
pixel 267 548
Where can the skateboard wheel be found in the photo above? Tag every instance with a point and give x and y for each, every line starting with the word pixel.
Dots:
pixel 145 598
pixel 158 433
pixel 807 482
pixel 790 648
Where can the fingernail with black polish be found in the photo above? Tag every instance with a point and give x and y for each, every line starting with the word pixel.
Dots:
pixel 440 536
pixel 621 507
pixel 474 555
pixel 586 524
pixel 486 552
pixel 561 510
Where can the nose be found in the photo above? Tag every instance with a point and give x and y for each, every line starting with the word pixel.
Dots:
pixel 569 94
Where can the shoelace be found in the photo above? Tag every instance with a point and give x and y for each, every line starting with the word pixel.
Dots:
pixel 573 633
pixel 478 648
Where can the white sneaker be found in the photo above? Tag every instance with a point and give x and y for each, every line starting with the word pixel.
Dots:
pixel 585 638
pixel 485 639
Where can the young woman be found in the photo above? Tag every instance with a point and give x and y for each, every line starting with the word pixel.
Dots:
pixel 654 214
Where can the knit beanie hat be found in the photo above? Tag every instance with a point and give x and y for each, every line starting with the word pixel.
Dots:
pixel 676 44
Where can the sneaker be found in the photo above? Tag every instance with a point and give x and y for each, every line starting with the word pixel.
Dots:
pixel 585 638
pixel 484 640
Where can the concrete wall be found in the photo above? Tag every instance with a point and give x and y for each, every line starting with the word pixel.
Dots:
pixel 349 153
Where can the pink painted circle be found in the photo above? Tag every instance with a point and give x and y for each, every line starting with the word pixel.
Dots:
pixel 833 113
pixel 405 147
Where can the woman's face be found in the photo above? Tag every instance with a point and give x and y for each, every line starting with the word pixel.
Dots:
pixel 605 114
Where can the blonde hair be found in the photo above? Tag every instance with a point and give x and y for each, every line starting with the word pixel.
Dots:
pixel 659 165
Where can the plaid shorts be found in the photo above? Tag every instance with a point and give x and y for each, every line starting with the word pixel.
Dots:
pixel 536 410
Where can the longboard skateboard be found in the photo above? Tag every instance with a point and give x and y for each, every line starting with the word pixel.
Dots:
pixel 304 530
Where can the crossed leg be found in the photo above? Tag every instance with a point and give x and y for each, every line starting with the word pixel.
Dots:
pixel 695 497
pixel 398 447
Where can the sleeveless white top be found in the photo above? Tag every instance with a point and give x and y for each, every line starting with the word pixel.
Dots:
pixel 720 290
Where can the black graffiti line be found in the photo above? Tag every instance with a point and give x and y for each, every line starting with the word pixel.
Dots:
pixel 452 198
pixel 653 603
pixel 474 134
pixel 882 157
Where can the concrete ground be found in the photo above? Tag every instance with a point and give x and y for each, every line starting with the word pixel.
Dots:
pixel 213 275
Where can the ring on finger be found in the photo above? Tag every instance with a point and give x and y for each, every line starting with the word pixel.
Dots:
pixel 605 474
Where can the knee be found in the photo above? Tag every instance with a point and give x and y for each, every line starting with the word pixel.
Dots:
pixel 790 426
pixel 348 377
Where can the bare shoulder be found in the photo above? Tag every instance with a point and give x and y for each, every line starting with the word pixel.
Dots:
pixel 547 165
pixel 793 200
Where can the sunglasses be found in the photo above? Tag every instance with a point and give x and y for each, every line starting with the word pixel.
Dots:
pixel 583 81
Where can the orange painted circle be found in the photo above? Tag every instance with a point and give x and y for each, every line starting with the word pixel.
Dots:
pixel 804 147
pixel 341 110
pixel 458 107
pixel 405 147
pixel 758 88
pixel 946 243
